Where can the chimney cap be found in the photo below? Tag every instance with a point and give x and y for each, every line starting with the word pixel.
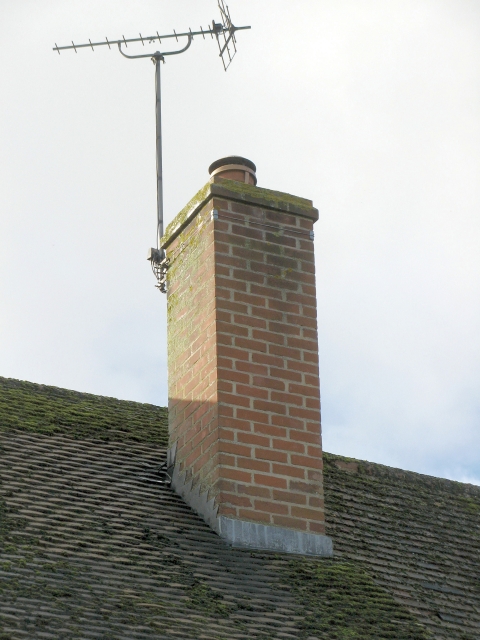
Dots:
pixel 229 160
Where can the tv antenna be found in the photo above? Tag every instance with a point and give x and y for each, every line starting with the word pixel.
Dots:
pixel 224 33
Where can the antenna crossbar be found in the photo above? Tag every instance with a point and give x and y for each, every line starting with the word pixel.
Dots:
pixel 224 33
pixel 214 32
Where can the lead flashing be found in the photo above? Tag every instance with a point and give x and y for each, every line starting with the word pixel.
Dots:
pixel 252 535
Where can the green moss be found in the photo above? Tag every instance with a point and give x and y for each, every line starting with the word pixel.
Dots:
pixel 205 599
pixel 184 269
pixel 471 505
pixel 51 411
pixel 340 601
pixel 180 218
pixel 276 199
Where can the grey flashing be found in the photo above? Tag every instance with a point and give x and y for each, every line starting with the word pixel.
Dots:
pixel 241 533
pixel 195 499
pixel 252 535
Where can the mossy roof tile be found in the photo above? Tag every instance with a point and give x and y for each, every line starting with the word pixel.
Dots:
pixel 90 548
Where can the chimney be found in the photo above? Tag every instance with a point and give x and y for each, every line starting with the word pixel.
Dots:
pixel 244 402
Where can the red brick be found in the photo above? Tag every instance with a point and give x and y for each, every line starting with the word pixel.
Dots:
pixel 290 497
pixel 288 445
pixel 267 314
pixel 259 492
pixel 270 481
pixel 236 423
pixel 236 307
pixel 273 407
pixel 234 376
pixel 285 374
pixel 227 283
pixel 247 344
pixel 304 436
pixel 304 390
pixel 251 391
pixel 231 329
pixel 238 401
pixel 266 292
pixel 261 358
pixel 227 460
pixel 290 523
pixel 242 252
pixel 303 487
pixel 231 261
pixel 257 300
pixel 237 449
pixel 247 232
pixel 271 507
pixel 239 501
pixel 249 276
pixel 223 510
pixel 270 430
pixel 249 367
pixel 250 321
pixel 315 476
pixel 253 465
pixel 308 414
pixel 268 383
pixel 308 514
pixel 288 470
pixel 231 352
pixel 252 416
pixel 258 516
pixel 284 352
pixel 253 439
pixel 246 377
pixel 269 337
pixel 236 474
pixel 288 422
pixel 287 398
pixel 271 454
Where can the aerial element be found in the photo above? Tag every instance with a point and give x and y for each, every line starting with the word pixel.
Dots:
pixel 224 32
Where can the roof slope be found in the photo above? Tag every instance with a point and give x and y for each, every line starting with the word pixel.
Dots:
pixel 417 536
pixel 91 546
pixel 50 410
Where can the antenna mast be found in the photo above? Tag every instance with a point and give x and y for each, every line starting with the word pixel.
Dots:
pixel 224 33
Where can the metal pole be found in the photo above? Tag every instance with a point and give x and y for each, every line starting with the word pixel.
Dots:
pixel 158 118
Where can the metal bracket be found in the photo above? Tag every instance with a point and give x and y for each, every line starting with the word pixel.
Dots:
pixel 157 55
pixel 159 263
pixel 159 474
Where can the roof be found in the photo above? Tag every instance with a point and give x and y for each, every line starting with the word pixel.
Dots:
pixel 93 546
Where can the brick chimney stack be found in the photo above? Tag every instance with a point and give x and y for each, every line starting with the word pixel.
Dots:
pixel 244 401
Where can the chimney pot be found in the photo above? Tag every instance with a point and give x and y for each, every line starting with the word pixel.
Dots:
pixel 234 168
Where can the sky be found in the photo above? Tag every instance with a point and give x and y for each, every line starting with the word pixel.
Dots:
pixel 369 108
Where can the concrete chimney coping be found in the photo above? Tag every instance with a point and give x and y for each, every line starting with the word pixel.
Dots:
pixel 238 192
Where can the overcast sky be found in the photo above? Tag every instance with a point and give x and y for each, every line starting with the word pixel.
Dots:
pixel 369 107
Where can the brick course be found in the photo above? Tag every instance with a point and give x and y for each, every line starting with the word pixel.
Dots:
pixel 244 404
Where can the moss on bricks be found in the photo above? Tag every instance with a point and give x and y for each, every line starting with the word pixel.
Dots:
pixel 240 191
pixel 51 411
pixel 275 199
pixel 189 208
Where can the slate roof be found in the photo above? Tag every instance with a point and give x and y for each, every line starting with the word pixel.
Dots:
pixel 93 546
